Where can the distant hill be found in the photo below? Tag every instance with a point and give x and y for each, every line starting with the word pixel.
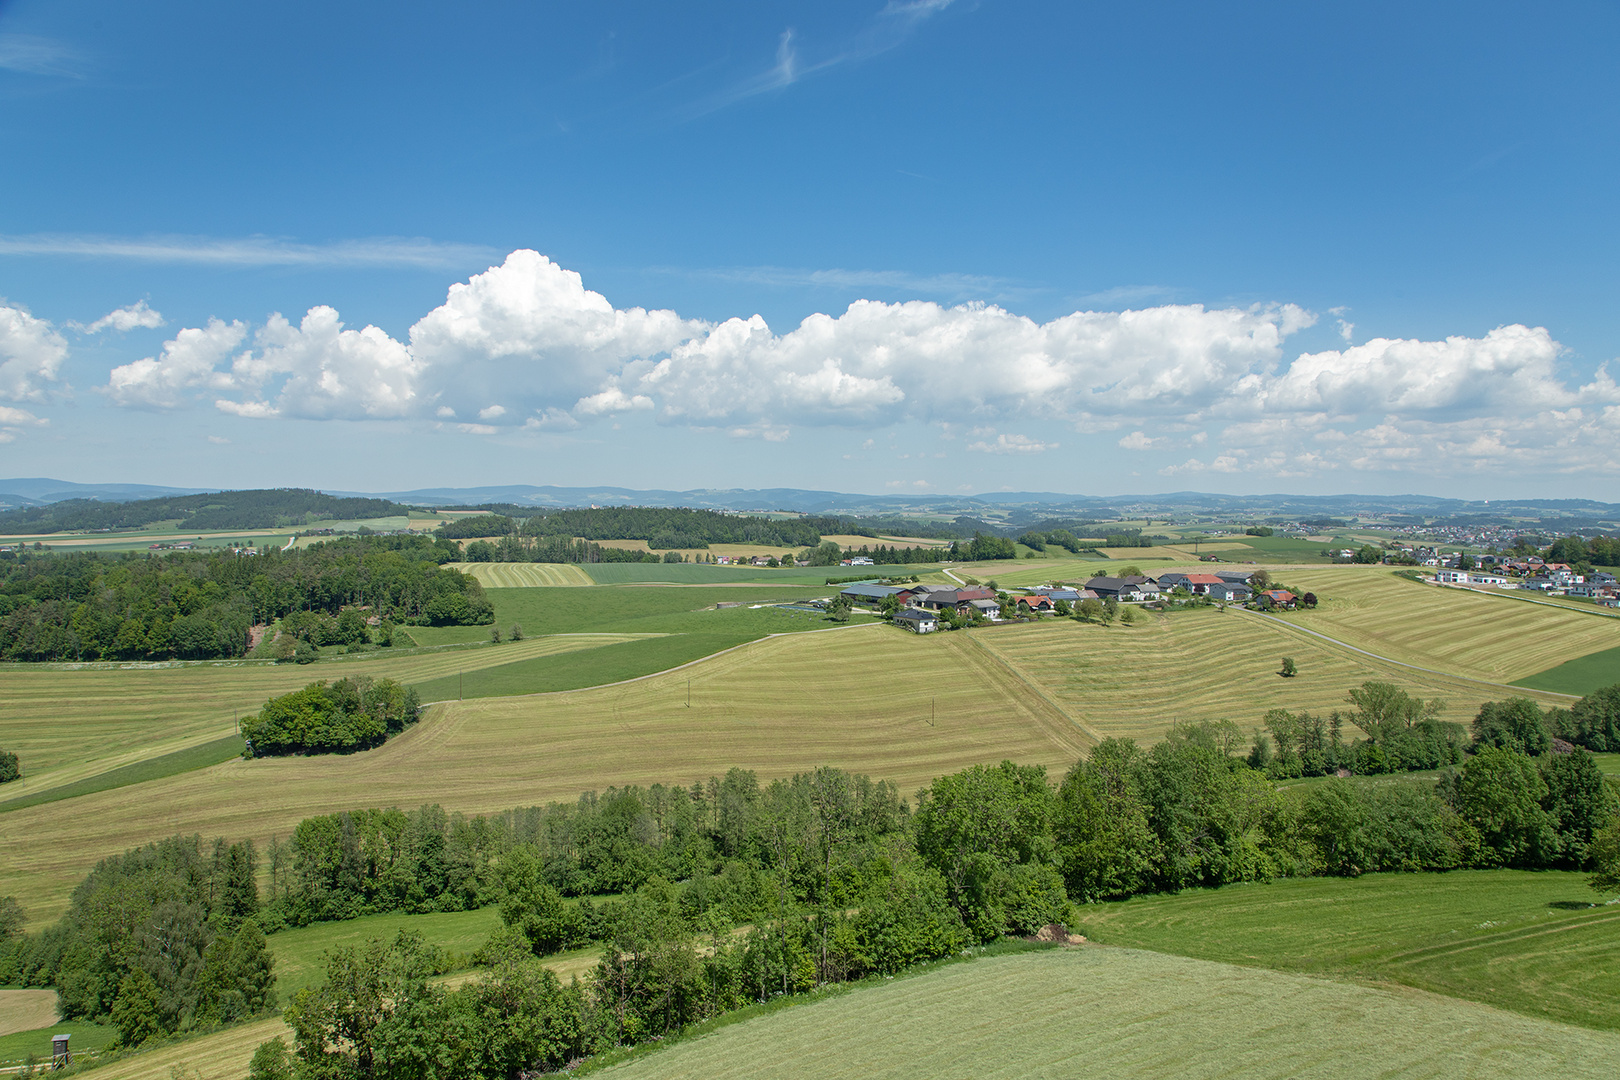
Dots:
pixel 1011 509
pixel 36 491
pixel 262 509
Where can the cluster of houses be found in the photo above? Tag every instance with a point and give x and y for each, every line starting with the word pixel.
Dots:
pixel 922 605
pixel 1533 573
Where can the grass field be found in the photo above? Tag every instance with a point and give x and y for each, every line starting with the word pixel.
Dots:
pixel 16 1047
pixel 771 705
pixel 1205 664
pixel 1529 942
pixel 25 1010
pixel 1098 1012
pixel 298 952
pixel 1581 676
pixel 523 575
pixel 1452 629
pixel 70 725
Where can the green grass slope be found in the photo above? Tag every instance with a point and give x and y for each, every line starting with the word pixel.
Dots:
pixel 1529 942
pixel 1097 1012
pixel 1581 676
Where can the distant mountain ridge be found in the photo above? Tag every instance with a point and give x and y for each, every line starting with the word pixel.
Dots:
pixel 38 491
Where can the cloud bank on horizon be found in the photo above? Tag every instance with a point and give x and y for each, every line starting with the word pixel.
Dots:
pixel 526 347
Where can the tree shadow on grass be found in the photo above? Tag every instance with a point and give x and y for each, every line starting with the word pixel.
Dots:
pixel 1571 905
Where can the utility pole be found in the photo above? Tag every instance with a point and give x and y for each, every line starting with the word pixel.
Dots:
pixel 458 684
pixel 688 693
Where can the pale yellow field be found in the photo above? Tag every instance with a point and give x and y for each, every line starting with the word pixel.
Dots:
pixel 891 541
pixel 1134 681
pixel 858 698
pixel 1478 636
pixel 524 575
pixel 67 725
pixel 26 1010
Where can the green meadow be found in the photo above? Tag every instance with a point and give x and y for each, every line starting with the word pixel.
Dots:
pixel 1538 943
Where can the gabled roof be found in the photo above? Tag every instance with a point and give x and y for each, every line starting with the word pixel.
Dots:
pixel 873 592
pixel 914 615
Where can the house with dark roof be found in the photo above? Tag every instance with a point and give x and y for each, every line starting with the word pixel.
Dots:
pixel 1230 592
pixel 1114 588
pixel 863 593
pixel 918 622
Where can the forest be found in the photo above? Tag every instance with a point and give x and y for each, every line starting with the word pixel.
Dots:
pixel 200 605
pixel 261 509
pixel 660 527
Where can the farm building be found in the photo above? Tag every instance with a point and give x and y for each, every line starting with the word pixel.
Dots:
pixel 1281 598
pixel 918 622
pixel 863 593
pixel 1036 603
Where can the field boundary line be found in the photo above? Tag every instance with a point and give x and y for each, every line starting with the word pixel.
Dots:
pixel 1521 599
pixel 1040 691
pixel 653 674
pixel 1399 663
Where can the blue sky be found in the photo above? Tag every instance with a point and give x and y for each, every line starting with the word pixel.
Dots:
pixel 930 246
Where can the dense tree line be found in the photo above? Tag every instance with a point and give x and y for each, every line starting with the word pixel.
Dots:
pixel 159 939
pixel 261 509
pixel 1584 552
pixel 660 527
pixel 354 713
pixel 200 605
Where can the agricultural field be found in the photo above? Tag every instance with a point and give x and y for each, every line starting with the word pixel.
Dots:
pixel 72 725
pixel 1530 942
pixel 1204 664
pixel 1126 1013
pixel 1581 676
pixel 768 705
pixel 1037 693
pixel 1464 633
pixel 493 575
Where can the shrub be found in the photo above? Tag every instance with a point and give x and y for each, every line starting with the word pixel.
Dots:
pixel 9 768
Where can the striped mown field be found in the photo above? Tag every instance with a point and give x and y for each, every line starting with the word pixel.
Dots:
pixel 859 698
pixel 1460 631
pixel 523 575
pixel 1135 681
pixel 68 724
pixel 1532 942
pixel 1101 1012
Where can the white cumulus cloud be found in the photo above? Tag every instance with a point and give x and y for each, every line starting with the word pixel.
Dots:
pixel 188 361
pixel 1011 444
pixel 136 316
pixel 31 351
pixel 319 370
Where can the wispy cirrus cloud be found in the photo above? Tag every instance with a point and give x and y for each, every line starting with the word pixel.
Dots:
pixel 33 55
pixel 949 286
pixel 889 28
pixel 251 251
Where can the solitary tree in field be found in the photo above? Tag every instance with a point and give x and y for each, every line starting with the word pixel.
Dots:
pixel 1127 616
pixel 838 611
pixel 495 635
pixel 1289 668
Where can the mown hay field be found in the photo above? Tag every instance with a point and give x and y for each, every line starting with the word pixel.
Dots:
pixel 858 697
pixel 1125 1013
pixel 1456 630
pixel 1205 664
pixel 1581 676
pixel 523 575
pixel 854 697
pixel 1534 943
pixel 68 724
